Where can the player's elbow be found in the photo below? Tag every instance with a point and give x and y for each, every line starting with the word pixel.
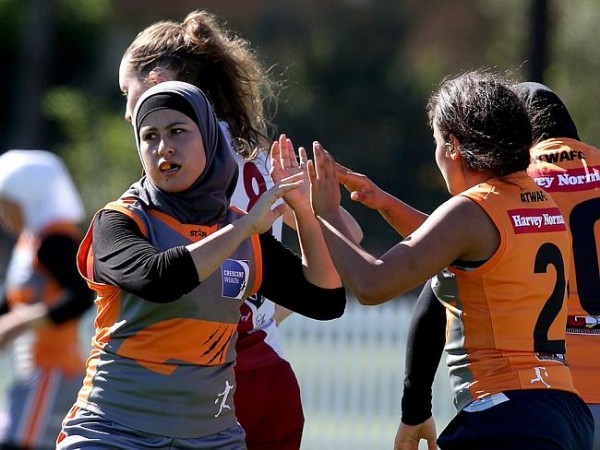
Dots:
pixel 369 295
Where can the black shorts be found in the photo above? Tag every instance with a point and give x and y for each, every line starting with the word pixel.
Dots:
pixel 530 419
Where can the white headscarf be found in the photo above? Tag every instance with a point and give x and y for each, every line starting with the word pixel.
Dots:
pixel 39 182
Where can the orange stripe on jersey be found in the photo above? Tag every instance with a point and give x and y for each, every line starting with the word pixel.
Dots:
pixel 84 256
pixel 37 410
pixel 108 298
pixel 70 415
pixel 123 209
pixel 193 232
pixel 90 264
pixel 179 340
pixel 91 369
pixel 255 240
pixel 108 306
pixel 258 263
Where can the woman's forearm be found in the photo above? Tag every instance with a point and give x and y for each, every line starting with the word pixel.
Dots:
pixel 401 216
pixel 318 266
pixel 209 253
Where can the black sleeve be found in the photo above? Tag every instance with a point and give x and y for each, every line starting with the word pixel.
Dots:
pixel 123 257
pixel 58 253
pixel 426 339
pixel 3 305
pixel 285 284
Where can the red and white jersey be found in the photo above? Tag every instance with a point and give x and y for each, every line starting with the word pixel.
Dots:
pixel 570 171
pixel 259 342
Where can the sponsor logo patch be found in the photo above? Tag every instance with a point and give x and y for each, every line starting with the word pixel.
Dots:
pixel 536 220
pixel 234 277
pixel 572 180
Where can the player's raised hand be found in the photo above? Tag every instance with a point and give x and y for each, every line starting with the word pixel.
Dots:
pixel 324 184
pixel 286 165
pixel 361 188
pixel 284 161
pixel 265 212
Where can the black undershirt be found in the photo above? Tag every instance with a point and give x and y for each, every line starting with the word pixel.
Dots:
pixel 124 258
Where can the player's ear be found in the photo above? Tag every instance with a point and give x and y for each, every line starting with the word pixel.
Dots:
pixel 452 147
pixel 448 150
pixel 158 75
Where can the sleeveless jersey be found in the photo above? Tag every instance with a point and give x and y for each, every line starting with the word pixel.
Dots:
pixel 259 341
pixel 570 171
pixel 167 368
pixel 506 318
pixel 28 282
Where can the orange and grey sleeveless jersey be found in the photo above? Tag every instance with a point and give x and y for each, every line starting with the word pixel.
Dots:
pixel 28 282
pixel 167 368
pixel 570 171
pixel 506 318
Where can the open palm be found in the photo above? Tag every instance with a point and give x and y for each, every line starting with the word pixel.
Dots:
pixel 286 166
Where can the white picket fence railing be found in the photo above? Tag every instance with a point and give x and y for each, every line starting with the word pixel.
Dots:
pixel 351 372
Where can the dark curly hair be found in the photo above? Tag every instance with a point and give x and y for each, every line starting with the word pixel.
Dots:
pixel 487 118
pixel 200 52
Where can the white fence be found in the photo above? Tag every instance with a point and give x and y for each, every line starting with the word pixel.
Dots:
pixel 350 372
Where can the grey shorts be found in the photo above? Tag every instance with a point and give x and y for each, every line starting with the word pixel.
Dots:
pixel 86 430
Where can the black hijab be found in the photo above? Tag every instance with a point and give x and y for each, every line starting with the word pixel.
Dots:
pixel 207 200
pixel 548 114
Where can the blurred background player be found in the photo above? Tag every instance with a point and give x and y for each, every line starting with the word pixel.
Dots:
pixel 44 295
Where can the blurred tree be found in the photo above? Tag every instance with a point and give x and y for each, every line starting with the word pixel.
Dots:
pixel 97 144
pixel 572 60
pixel 575 63
pixel 538 53
pixel 58 101
pixel 360 82
pixel 35 51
